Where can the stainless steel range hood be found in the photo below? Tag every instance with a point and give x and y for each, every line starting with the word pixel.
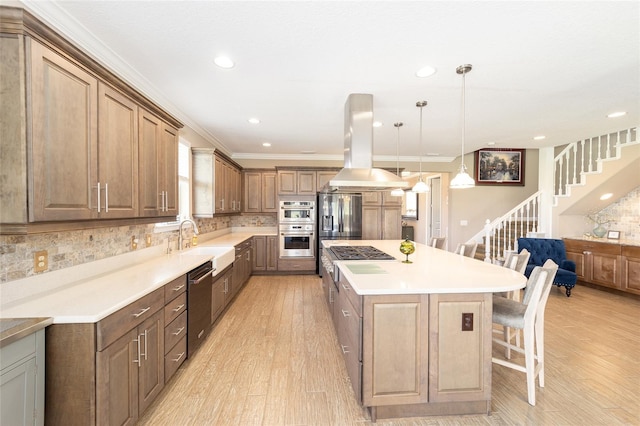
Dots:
pixel 358 173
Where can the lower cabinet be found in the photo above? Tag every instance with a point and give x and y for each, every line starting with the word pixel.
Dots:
pixel 631 269
pixel 381 223
pixel 407 356
pixel 108 373
pixel 265 253
pixel 221 292
pixel 22 381
pixel 242 266
pixel 596 262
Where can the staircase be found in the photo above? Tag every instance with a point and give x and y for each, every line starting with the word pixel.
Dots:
pixel 572 166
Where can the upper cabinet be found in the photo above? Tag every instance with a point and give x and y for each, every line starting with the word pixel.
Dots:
pixel 297 182
pixel 216 184
pixel 260 195
pixel 77 142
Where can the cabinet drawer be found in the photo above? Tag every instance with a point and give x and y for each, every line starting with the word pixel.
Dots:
pixel 175 358
pixel 354 370
pixel 117 324
pixel 631 251
pixel 354 298
pixel 175 331
pixel 592 246
pixel 175 288
pixel 175 308
pixel 20 349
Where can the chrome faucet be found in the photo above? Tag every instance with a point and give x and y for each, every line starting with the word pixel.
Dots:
pixel 195 231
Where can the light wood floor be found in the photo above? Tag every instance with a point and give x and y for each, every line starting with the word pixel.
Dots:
pixel 273 359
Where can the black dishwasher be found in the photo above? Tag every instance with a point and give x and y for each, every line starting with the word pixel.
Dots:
pixel 199 283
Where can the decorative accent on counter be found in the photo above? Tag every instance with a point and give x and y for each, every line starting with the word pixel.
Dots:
pixel 407 247
pixel 600 220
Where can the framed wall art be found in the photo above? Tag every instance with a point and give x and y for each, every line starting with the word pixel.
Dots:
pixel 613 235
pixel 499 166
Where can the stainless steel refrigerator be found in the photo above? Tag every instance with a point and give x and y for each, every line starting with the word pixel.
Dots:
pixel 339 218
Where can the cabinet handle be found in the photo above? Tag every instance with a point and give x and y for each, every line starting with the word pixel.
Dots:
pixel 137 361
pixel 226 286
pixel 346 287
pixel 145 344
pixel 344 349
pixel 180 287
pixel 178 308
pixel 345 313
pixel 180 330
pixel 330 295
pixel 106 198
pixel 222 204
pixel 98 186
pixel 142 311
pixel 179 357
pixel 239 209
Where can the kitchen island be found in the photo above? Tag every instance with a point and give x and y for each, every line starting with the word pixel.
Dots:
pixel 416 337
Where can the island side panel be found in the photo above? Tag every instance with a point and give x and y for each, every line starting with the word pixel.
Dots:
pixel 460 360
pixel 395 350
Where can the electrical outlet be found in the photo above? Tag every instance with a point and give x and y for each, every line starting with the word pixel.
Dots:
pixel 467 321
pixel 148 240
pixel 134 243
pixel 40 261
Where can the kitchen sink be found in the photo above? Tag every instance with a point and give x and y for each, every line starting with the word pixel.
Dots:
pixel 220 256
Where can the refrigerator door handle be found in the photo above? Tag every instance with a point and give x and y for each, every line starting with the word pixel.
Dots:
pixel 340 215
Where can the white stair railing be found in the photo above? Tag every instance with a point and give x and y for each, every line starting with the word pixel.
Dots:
pixel 501 235
pixel 580 158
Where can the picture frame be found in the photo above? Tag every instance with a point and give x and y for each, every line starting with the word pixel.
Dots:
pixel 497 166
pixel 613 235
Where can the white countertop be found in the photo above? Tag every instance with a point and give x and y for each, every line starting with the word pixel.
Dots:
pixel 432 271
pixel 90 292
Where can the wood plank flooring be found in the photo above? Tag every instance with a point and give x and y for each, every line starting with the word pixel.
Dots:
pixel 273 359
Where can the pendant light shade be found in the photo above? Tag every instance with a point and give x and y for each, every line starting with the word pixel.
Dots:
pixel 420 186
pixel 462 179
pixel 398 192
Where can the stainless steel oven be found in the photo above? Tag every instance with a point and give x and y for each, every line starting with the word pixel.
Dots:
pixel 297 212
pixel 297 240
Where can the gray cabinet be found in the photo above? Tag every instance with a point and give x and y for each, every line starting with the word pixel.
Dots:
pixel 216 184
pixel 260 194
pixel 22 381
pixel 265 253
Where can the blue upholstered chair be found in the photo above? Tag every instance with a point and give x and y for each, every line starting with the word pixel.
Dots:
pixel 542 249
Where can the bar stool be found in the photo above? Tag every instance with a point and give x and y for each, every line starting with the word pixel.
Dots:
pixel 517 262
pixel 528 316
pixel 438 242
pixel 467 249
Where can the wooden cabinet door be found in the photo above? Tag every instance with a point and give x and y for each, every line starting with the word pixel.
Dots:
pixel 371 229
pixel 371 198
pixel 118 153
pixel 306 182
pixel 219 295
pixel 269 192
pixel 631 269
pixel 272 253
pixel 287 180
pixel 323 178
pixel 117 381
pixel 252 192
pixel 391 223
pixel 259 253
pixel 605 269
pixel 389 200
pixel 151 371
pixel 579 258
pixel 220 192
pixel 169 171
pixel 64 141
pixel 149 142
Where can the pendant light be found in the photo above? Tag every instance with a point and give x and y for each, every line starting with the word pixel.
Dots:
pixel 397 192
pixel 420 186
pixel 462 179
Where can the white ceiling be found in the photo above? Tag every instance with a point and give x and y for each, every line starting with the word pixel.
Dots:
pixel 540 67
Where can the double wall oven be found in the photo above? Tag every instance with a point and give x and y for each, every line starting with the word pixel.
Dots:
pixel 297 223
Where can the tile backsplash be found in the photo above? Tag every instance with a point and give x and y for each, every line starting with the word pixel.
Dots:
pixel 625 215
pixel 72 248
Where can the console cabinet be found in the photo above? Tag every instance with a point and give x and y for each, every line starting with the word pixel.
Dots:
pixel 631 269
pixel 596 262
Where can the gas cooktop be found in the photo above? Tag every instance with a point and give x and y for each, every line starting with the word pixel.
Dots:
pixel 360 253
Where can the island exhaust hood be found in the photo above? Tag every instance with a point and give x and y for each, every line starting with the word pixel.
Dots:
pixel 358 173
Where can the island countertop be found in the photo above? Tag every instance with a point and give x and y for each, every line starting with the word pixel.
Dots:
pixel 432 271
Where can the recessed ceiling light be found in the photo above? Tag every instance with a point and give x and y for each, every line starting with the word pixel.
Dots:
pixel 539 138
pixel 617 114
pixel 377 124
pixel 491 143
pixel 606 196
pixel 266 144
pixel 427 71
pixel 432 154
pixel 224 62
pixel 253 121
pixel 307 152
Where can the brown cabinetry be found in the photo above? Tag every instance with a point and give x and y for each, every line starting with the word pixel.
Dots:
pixel 296 182
pixel 70 147
pixel 221 292
pixel 265 253
pixel 596 262
pixel 381 222
pixel 241 266
pixel 175 330
pixel 216 184
pixel 260 194
pixel 630 263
